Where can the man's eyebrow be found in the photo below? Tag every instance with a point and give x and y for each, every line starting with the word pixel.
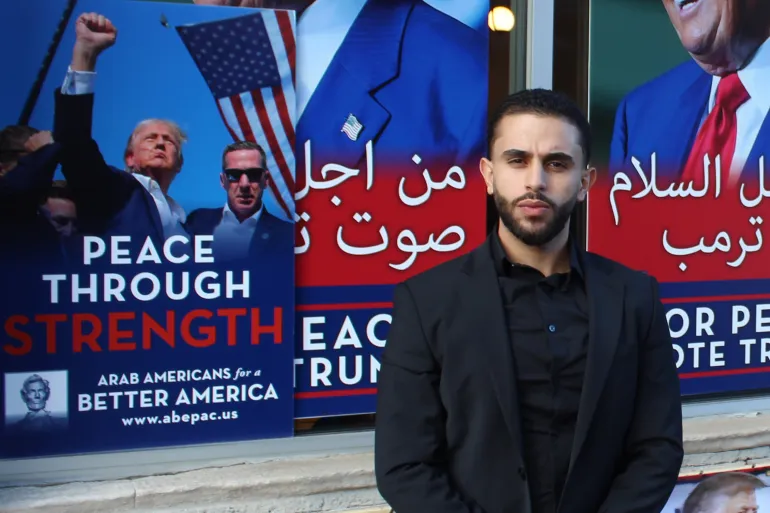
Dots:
pixel 556 155
pixel 514 153
pixel 559 155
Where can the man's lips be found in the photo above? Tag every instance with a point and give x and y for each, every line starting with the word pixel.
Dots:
pixel 533 207
pixel 683 4
pixel 534 204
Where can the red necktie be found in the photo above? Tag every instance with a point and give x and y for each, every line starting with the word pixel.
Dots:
pixel 717 135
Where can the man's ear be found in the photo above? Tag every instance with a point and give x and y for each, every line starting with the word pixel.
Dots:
pixel 586 182
pixel 485 168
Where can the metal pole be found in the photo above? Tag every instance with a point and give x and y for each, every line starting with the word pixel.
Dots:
pixel 34 93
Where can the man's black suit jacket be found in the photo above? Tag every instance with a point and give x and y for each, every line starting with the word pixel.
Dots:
pixel 447 436
pixel 272 237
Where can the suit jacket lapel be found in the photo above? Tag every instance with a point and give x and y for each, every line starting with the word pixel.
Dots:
pixel 262 234
pixel 481 299
pixel 367 59
pixel 605 319
pixel 678 133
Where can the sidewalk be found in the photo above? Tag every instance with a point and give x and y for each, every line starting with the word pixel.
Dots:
pixel 342 482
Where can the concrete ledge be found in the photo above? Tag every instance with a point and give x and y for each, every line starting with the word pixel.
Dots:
pixel 341 482
pixel 335 483
pixel 727 433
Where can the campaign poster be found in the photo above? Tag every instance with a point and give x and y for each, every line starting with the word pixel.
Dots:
pixel 680 107
pixel 392 107
pixel 391 124
pixel 147 245
pixel 725 492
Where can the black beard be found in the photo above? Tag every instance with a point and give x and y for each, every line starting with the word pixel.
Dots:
pixel 542 235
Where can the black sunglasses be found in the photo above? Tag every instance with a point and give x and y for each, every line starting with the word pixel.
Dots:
pixel 253 174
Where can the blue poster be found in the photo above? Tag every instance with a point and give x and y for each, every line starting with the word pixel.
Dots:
pixel 392 109
pixel 682 122
pixel 147 218
pixel 391 101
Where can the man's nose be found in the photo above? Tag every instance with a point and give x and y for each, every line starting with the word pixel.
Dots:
pixel 536 177
pixel 244 181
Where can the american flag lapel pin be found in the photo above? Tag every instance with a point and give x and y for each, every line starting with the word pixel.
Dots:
pixel 352 127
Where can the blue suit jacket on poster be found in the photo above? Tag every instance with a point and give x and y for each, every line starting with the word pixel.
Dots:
pixel 109 201
pixel 663 117
pixel 273 236
pixel 416 79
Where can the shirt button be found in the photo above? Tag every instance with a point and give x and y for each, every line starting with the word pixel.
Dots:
pixel 552 328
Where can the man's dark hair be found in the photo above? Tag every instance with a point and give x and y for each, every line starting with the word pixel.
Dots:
pixel 60 190
pixel 727 483
pixel 542 102
pixel 57 190
pixel 12 139
pixel 243 145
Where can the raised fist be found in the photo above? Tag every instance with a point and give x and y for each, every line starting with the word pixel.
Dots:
pixel 93 34
pixel 37 141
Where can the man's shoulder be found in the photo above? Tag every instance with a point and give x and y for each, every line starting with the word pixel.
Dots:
pixel 203 213
pixel 438 32
pixel 202 221
pixel 633 279
pixel 440 24
pixel 276 221
pixel 437 281
pixel 671 82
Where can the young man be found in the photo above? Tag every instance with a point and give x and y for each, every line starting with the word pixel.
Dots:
pixel 529 375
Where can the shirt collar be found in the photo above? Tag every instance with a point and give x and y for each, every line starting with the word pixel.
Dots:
pixel 154 189
pixel 753 77
pixel 228 213
pixel 501 259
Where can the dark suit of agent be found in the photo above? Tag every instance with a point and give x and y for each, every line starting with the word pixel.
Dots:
pixel 529 376
pixel 243 228
pixel 28 160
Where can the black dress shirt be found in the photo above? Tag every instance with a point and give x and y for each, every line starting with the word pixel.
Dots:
pixel 547 321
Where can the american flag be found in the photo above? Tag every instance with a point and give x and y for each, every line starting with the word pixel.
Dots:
pixel 248 63
pixel 352 127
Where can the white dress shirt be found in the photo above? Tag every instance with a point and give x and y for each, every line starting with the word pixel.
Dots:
pixel 172 215
pixel 755 77
pixel 321 30
pixel 232 238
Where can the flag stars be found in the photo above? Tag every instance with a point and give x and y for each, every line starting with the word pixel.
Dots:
pixel 238 60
